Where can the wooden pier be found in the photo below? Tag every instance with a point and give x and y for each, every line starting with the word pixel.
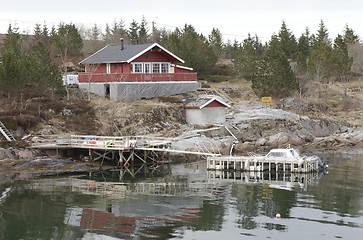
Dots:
pixel 131 153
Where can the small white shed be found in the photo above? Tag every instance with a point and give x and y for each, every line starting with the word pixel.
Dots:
pixel 205 110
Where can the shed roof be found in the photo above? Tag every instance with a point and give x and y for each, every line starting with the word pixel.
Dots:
pixel 202 102
pixel 114 54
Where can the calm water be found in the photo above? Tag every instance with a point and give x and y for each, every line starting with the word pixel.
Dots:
pixel 191 203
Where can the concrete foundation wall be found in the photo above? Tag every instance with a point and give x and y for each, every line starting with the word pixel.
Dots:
pixel 147 90
pixel 139 90
pixel 96 88
pixel 206 116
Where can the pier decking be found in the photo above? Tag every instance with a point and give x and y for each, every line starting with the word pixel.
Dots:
pixel 131 153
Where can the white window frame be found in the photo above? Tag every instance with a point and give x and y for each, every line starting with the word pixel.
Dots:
pixel 108 68
pixel 164 67
pixel 154 68
pixel 137 67
pixel 150 67
pixel 147 67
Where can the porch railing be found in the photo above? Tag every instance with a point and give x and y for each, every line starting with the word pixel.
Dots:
pixel 134 77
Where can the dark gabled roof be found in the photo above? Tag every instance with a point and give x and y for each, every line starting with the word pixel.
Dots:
pixel 114 54
pixel 202 102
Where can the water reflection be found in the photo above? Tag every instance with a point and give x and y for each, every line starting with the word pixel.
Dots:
pixel 143 209
pixel 277 180
pixel 189 203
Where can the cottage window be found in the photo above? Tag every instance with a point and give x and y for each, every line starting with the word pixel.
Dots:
pixel 156 67
pixel 137 67
pixel 108 68
pixel 165 68
pixel 147 67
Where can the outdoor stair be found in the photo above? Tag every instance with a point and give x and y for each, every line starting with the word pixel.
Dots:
pixel 6 133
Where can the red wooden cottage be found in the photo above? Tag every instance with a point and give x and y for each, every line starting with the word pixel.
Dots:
pixel 135 72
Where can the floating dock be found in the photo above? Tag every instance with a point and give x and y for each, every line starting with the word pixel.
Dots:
pixel 277 160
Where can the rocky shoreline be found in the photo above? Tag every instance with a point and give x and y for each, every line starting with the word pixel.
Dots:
pixel 251 128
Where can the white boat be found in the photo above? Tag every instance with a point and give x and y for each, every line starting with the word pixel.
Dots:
pixel 280 159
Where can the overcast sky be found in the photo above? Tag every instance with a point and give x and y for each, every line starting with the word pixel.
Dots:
pixel 234 18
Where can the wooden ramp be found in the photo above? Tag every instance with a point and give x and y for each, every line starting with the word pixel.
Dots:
pixel 6 133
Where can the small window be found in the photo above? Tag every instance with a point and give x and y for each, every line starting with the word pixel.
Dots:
pixel 156 67
pixel 147 67
pixel 108 68
pixel 165 68
pixel 137 68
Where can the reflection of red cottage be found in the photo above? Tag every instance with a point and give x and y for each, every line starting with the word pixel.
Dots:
pixel 135 72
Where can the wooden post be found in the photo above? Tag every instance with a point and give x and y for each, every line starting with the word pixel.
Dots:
pixel 145 159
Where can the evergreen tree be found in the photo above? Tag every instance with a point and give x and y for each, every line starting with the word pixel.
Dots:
pixel 349 36
pixel 288 42
pixel 113 35
pixel 119 31
pixel 41 34
pixel 303 51
pixel 13 76
pixel 66 41
pixel 320 59
pixel 248 57
pixel 274 76
pixel 143 31
pixel 107 37
pixel 216 42
pixel 95 33
pixel 41 71
pixel 193 48
pixel 323 35
pixel 133 33
pixel 341 60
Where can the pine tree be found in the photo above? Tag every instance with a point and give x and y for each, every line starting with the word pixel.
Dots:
pixel 13 76
pixel 67 41
pixel 95 33
pixel 143 31
pixel 341 60
pixel 349 36
pixel 274 76
pixel 119 31
pixel 303 51
pixel 41 72
pixel 216 42
pixel 320 59
pixel 107 36
pixel 248 57
pixel 133 33
pixel 288 42
pixel 193 48
pixel 323 35
pixel 41 34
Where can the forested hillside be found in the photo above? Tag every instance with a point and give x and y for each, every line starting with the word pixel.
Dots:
pixel 286 65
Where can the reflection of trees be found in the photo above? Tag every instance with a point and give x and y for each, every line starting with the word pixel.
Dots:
pixel 341 190
pixel 284 201
pixel 253 200
pixel 247 204
pixel 211 215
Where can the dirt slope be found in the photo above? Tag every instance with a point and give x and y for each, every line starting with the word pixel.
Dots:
pixel 44 113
